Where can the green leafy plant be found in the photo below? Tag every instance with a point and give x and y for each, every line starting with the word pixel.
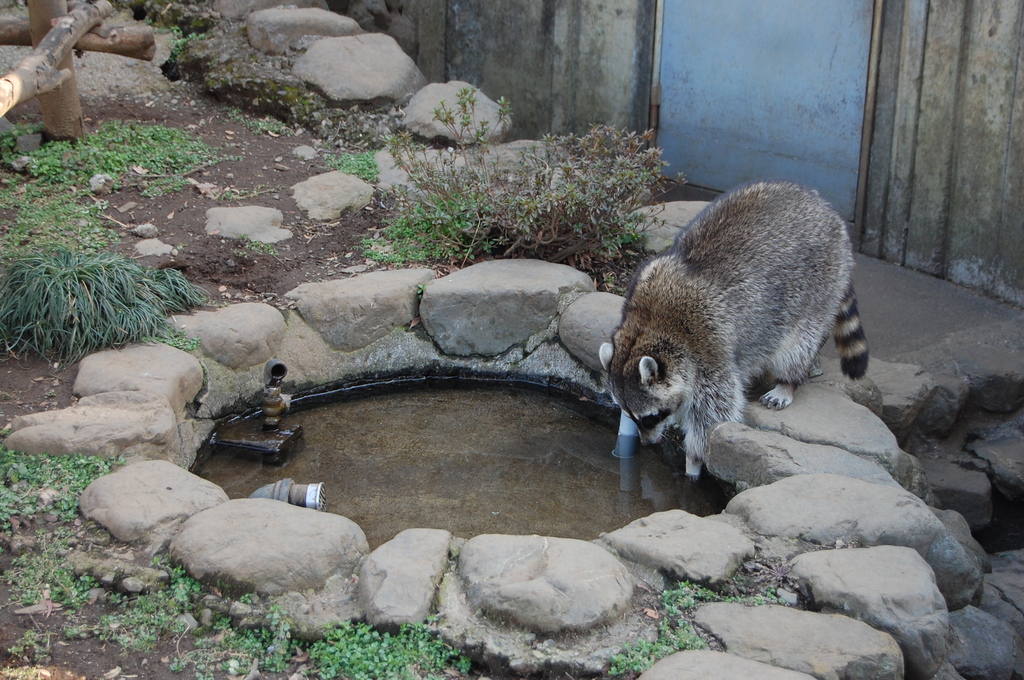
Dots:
pixel 43 574
pixel 64 305
pixel 362 165
pixel 33 484
pixel 141 621
pixel 31 647
pixel 267 125
pixel 675 633
pixel 255 247
pixel 356 651
pixel 53 204
pixel 570 199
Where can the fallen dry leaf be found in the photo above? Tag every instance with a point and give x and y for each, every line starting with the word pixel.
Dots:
pixel 651 614
pixel 112 673
pixel 39 608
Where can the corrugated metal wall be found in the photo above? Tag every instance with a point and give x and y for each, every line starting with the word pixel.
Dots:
pixel 945 185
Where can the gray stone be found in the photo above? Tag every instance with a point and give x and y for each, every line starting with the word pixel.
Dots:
pixel 101 184
pixel 1007 578
pixel 587 323
pixel 941 413
pixel 947 672
pixel 891 589
pixel 820 415
pixel 268 546
pixel 350 314
pixel 906 390
pixel 957 571
pixel 684 546
pixel 826 508
pixel 822 645
pixel 238 336
pixel 670 218
pixel 310 611
pixel 419 114
pixel 280 29
pixel 707 665
pixel 157 369
pixel 981 647
pixel 398 580
pixel 489 307
pixel 238 9
pixel 327 196
pixel 28 143
pixel 969 492
pixel 145 503
pixel 546 585
pixel 252 222
pixel 958 527
pixel 864 391
pixel 995 375
pixel 153 246
pixel 357 69
pixel 147 230
pixel 993 602
pixel 136 425
pixel 1005 459
pixel 743 457
pixel 305 152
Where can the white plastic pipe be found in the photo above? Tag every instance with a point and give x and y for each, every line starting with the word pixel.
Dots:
pixel 629 435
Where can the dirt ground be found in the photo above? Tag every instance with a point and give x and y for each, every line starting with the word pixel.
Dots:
pixel 266 168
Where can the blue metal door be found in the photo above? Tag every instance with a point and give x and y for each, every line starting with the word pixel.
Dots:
pixel 765 89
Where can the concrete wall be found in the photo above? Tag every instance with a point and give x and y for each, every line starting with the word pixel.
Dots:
pixel 562 64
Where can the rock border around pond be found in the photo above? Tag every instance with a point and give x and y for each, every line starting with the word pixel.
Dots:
pixel 515 602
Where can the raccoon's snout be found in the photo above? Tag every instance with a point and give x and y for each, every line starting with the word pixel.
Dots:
pixel 652 426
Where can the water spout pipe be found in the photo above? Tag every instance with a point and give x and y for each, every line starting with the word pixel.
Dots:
pixel 629 435
pixel 274 404
pixel 302 495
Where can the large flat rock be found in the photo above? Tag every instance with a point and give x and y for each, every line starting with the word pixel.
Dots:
pixel 543 584
pixel 707 665
pixel 157 369
pixel 398 581
pixel 822 415
pixel 744 457
pixel 358 69
pixel 823 645
pixel 136 425
pixel 685 546
pixel 238 336
pixel 890 588
pixel 588 323
pixel 489 307
pixel 826 508
pixel 268 546
pixel 350 314
pixel 146 502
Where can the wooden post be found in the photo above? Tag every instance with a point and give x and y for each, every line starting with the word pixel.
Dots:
pixel 62 112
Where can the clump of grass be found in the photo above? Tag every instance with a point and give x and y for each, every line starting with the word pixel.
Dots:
pixel 65 305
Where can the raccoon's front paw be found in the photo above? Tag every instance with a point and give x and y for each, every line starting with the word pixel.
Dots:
pixel 779 398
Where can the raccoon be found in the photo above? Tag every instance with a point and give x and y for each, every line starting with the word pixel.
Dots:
pixel 753 285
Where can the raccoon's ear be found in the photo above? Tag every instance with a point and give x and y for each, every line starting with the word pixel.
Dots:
pixel 648 370
pixel 605 353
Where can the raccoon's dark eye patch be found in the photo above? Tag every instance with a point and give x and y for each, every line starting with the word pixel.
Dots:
pixel 649 422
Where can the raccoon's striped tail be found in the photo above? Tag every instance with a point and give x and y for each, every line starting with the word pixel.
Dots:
pixel 849 336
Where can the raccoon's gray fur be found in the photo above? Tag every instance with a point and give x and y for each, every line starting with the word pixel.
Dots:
pixel 753 285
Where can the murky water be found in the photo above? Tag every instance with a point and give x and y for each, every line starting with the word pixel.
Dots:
pixel 499 459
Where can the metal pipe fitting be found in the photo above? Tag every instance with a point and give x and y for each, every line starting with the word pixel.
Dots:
pixel 274 404
pixel 303 495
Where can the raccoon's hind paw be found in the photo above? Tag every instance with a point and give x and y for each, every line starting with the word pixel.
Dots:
pixel 779 398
